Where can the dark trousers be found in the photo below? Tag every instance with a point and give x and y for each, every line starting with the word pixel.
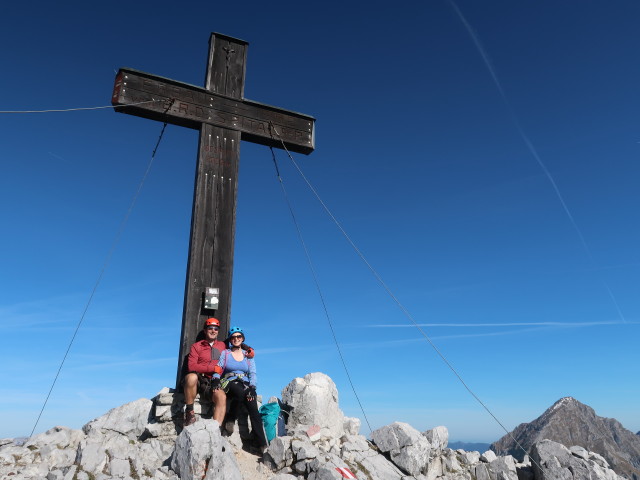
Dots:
pixel 237 392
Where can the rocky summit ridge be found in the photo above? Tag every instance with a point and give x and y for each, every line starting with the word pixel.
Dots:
pixel 144 440
pixel 570 422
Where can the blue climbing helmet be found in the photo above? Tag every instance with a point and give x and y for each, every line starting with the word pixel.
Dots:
pixel 235 330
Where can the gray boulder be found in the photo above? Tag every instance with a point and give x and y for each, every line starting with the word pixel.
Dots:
pixel 303 449
pixel 554 461
pixel 108 453
pixel 438 437
pixel 365 461
pixel 314 399
pixel 470 458
pixel 579 452
pixel 481 471
pixel 503 468
pixel 56 447
pixel 201 452
pixel 488 456
pixel 130 419
pixel 324 467
pixel 452 462
pixel 279 454
pixel 406 446
pixel 351 425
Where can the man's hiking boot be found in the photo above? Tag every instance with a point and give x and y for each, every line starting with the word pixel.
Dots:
pixel 189 418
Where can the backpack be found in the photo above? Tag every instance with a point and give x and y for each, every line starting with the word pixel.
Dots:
pixel 270 413
pixel 275 416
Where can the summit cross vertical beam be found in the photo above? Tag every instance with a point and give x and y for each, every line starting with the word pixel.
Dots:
pixel 224 117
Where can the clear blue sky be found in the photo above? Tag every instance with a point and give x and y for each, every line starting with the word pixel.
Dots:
pixel 427 140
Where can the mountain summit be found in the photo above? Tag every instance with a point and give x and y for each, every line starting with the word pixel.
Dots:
pixel 571 423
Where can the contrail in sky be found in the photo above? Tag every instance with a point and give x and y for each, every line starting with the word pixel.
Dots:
pixel 510 324
pixel 516 121
pixel 527 141
pixel 57 156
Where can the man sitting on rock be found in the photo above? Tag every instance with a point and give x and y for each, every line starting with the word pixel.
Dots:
pixel 202 364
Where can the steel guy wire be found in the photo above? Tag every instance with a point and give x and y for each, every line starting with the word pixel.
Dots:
pixel 317 284
pixel 102 271
pixel 81 108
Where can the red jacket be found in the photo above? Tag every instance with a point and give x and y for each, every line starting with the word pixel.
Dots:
pixel 204 359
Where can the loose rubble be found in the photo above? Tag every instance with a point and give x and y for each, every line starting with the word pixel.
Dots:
pixel 145 440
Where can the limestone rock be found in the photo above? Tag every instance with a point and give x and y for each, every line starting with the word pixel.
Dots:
pixel 503 468
pixel 279 454
pixel 142 458
pixel 201 452
pixel 579 452
pixel 161 429
pixel 323 467
pixel 314 399
pixel 438 437
pixel 354 443
pixel 91 456
pixel 13 458
pixel 56 447
pixel 435 469
pixel 470 458
pixel 488 456
pixel 325 473
pixel 304 449
pixel 130 419
pixel 31 471
pixel 481 472
pixel 365 461
pixel 407 447
pixel 553 461
pixel 223 467
pixel 351 425
pixel 58 437
pixel 599 459
pixel 451 462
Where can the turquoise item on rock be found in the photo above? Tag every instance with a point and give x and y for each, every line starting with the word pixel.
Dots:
pixel 269 413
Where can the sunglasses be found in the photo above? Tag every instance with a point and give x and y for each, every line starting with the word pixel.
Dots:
pixel 236 337
pixel 213 328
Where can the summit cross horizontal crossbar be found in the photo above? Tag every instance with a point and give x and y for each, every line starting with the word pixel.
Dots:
pixel 191 106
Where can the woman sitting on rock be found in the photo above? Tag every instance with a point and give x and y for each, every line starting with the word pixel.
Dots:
pixel 239 381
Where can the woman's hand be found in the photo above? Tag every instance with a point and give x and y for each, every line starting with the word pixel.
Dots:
pixel 251 394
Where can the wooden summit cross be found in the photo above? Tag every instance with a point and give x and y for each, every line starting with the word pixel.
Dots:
pixel 224 117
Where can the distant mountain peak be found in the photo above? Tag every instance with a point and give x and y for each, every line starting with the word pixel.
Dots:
pixel 573 423
pixel 565 401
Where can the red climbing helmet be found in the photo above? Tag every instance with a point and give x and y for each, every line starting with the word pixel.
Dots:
pixel 211 322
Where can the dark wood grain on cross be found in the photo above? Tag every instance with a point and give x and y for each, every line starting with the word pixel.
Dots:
pixel 224 117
